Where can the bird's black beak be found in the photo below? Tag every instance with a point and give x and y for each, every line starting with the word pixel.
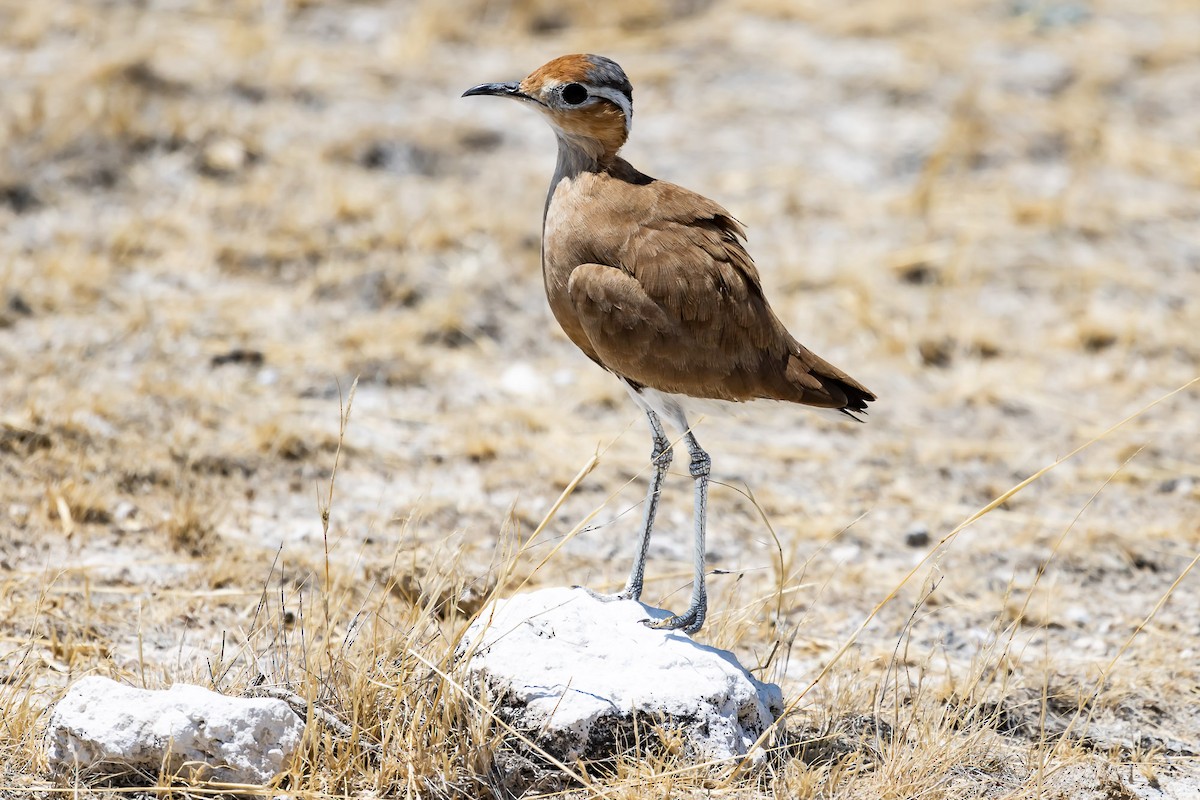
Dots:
pixel 510 89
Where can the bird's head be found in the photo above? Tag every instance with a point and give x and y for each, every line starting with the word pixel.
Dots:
pixel 587 99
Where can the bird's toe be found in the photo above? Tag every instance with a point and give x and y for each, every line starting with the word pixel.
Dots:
pixel 688 622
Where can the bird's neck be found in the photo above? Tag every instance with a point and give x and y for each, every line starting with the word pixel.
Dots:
pixel 588 140
pixel 577 154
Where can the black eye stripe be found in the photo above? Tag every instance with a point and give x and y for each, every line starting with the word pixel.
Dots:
pixel 574 94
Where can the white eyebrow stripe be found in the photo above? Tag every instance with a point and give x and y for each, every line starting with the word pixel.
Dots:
pixel 620 99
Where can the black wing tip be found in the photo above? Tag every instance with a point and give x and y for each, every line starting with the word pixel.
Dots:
pixel 856 402
pixel 854 414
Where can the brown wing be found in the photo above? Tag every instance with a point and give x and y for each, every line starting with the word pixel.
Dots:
pixel 684 312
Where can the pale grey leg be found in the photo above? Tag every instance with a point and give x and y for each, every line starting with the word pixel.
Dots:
pixel 693 619
pixel 661 455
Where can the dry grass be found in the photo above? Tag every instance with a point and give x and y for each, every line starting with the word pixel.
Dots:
pixel 214 216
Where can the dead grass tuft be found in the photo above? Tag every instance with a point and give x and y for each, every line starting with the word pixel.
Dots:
pixel 192 527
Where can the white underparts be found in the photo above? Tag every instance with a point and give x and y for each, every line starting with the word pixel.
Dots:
pixel 679 410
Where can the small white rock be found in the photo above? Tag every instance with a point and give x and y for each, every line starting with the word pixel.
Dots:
pixel 19 514
pixel 575 669
pixel 522 380
pixel 104 726
pixel 224 156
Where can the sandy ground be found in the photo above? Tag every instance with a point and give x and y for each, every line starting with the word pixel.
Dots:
pixel 214 216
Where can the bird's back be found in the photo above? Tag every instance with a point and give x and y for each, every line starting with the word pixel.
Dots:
pixel 652 282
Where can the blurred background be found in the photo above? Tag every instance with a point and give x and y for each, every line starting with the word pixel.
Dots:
pixel 214 216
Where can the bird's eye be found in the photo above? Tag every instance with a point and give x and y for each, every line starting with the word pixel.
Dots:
pixel 574 94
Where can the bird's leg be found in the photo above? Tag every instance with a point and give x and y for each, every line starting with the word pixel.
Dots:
pixel 692 619
pixel 661 456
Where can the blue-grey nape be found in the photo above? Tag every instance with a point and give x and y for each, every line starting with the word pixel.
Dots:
pixel 606 72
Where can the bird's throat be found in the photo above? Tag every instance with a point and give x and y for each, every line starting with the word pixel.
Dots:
pixel 577 155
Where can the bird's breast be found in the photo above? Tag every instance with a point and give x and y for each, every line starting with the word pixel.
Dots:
pixel 567 242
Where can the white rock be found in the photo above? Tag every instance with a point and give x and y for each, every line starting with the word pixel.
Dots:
pixel 522 380
pixel 576 670
pixel 224 156
pixel 104 726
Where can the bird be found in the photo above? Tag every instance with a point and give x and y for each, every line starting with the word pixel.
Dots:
pixel 654 284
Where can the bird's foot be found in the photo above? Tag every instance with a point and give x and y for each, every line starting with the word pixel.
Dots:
pixel 690 621
pixel 624 594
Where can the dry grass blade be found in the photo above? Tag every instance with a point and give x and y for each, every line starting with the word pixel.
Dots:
pixel 483 707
